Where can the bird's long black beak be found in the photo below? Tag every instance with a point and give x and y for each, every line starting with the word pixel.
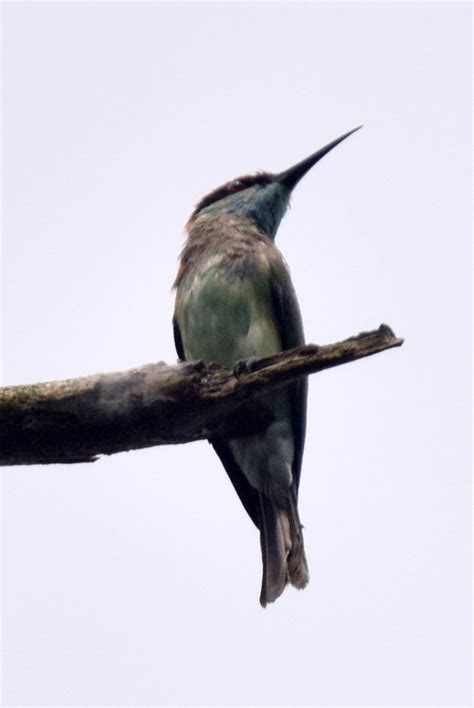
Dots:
pixel 292 176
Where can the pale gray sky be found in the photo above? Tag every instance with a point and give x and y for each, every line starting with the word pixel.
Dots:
pixel 135 580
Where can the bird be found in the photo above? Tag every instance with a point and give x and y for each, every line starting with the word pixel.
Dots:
pixel 235 301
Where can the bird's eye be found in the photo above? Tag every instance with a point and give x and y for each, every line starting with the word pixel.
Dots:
pixel 236 184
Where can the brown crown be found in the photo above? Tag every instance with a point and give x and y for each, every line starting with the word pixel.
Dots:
pixel 236 185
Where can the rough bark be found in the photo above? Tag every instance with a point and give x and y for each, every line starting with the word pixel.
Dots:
pixel 78 419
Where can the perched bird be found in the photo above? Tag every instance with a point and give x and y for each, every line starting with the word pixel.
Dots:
pixel 234 301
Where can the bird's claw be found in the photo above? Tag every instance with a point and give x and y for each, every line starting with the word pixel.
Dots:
pixel 244 366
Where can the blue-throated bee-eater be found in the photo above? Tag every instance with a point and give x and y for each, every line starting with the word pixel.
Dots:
pixel 234 301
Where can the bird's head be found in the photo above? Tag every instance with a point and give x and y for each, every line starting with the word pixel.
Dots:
pixel 263 197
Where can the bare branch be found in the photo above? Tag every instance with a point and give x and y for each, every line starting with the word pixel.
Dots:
pixel 78 419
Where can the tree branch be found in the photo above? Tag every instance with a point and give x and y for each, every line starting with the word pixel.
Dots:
pixel 157 404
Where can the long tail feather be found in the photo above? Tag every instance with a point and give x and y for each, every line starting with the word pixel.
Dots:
pixel 283 555
pixel 296 561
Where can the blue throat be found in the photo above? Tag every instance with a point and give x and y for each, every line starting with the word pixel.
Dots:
pixel 264 204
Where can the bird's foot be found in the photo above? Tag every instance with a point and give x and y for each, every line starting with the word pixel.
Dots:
pixel 244 366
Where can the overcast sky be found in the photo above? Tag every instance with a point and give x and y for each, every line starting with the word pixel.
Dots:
pixel 135 580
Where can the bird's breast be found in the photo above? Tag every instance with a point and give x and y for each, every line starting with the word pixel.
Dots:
pixel 225 312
